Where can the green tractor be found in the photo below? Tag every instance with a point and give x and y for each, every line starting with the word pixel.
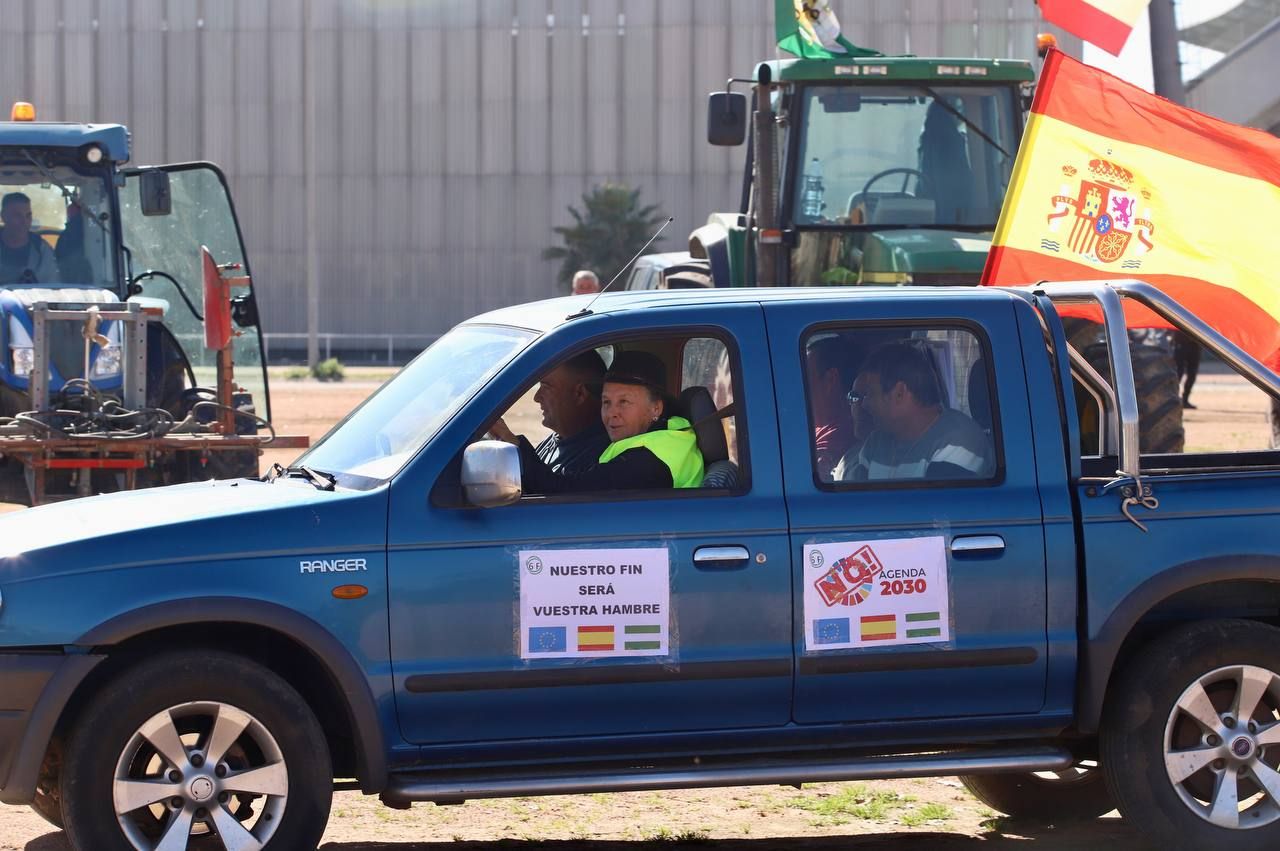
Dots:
pixel 866 169
pixel 863 168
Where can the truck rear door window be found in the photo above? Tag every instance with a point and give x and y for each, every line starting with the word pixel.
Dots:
pixel 900 404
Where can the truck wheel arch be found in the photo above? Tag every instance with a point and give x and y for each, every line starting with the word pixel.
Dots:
pixel 348 682
pixel 1222 582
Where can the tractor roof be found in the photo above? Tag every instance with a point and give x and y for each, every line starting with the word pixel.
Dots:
pixel 913 69
pixel 113 138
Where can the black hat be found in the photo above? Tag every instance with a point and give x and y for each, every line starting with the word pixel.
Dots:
pixel 638 368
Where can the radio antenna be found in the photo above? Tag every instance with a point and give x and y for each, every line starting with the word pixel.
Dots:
pixel 586 311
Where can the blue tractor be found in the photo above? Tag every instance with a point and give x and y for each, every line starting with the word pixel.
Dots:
pixel 127 301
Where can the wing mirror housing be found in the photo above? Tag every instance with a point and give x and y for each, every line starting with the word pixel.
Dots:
pixel 153 186
pixel 491 473
pixel 726 118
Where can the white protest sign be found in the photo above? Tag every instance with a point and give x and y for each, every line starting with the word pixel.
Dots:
pixel 876 593
pixel 592 603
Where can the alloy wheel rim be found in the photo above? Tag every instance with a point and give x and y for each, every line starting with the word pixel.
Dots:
pixel 200 769
pixel 1222 747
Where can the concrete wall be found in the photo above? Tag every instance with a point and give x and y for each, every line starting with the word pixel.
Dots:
pixel 451 136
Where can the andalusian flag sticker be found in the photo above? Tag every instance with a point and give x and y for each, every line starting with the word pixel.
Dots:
pixel 923 625
pixel 642 637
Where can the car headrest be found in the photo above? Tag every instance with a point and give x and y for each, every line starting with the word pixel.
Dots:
pixel 697 406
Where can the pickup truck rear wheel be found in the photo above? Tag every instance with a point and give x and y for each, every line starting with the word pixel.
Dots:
pixel 196 750
pixel 1190 742
pixel 1077 794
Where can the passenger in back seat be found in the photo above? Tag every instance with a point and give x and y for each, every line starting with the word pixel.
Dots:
pixel 915 435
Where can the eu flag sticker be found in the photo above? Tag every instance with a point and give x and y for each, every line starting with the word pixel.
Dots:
pixel 548 639
pixel 831 631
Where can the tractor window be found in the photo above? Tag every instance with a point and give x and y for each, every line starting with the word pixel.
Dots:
pixel 169 246
pixel 70 212
pixel 903 155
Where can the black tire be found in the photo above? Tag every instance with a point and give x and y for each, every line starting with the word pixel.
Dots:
pixel 183 694
pixel 1144 729
pixel 1077 795
pixel 1155 380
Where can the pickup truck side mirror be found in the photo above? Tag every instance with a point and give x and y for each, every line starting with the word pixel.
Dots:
pixel 491 473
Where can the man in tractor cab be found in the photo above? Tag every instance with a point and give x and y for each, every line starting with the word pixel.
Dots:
pixel 24 256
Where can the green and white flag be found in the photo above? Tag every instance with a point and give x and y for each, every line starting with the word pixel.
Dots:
pixel 810 30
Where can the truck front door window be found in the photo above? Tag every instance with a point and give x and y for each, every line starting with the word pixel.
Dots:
pixel 573 424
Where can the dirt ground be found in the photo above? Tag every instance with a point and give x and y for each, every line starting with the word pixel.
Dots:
pixel 934 813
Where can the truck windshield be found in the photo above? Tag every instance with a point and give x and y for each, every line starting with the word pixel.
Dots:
pixel 378 438
pixel 909 155
pixel 69 212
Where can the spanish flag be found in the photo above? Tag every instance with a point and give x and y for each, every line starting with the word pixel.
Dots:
pixel 1106 23
pixel 1113 182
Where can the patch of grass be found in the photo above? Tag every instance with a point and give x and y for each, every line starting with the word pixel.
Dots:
pixel 297 373
pixel 855 801
pixel 663 834
pixel 926 813
pixel 996 824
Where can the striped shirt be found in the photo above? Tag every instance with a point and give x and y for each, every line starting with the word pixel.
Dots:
pixel 954 447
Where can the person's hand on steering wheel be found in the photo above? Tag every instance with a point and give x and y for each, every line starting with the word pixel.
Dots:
pixel 500 431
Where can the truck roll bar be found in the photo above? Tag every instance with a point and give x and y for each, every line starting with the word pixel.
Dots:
pixel 1108 295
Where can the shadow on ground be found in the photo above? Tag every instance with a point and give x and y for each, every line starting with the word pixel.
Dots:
pixel 1109 833
pixel 1003 835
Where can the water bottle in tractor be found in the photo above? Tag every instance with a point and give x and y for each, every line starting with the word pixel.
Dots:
pixel 811 200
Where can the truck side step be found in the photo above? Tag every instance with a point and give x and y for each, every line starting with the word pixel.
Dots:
pixel 451 788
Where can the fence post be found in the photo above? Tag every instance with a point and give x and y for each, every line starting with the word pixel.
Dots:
pixel 391 341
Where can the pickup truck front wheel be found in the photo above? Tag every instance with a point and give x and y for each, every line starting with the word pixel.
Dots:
pixel 1078 794
pixel 1190 742
pixel 196 750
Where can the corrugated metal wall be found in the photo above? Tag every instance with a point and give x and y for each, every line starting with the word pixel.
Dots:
pixel 450 136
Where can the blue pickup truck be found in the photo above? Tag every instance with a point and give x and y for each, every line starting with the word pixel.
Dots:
pixel 1068 623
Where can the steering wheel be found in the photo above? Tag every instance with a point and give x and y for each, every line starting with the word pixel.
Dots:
pixel 906 173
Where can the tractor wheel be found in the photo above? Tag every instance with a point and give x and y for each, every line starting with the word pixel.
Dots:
pixel 1155 382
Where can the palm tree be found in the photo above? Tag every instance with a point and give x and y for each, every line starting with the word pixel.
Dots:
pixel 612 229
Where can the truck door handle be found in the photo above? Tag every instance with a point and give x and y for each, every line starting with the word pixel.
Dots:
pixel 713 557
pixel 973 544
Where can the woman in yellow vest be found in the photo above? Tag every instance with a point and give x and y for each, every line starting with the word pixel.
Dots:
pixel 649 447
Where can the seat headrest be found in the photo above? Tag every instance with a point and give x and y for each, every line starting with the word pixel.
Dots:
pixel 980 395
pixel 895 210
pixel 700 410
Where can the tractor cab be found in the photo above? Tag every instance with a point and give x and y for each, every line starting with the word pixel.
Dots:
pixel 867 169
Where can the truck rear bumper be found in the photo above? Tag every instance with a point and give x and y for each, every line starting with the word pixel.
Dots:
pixel 34 689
